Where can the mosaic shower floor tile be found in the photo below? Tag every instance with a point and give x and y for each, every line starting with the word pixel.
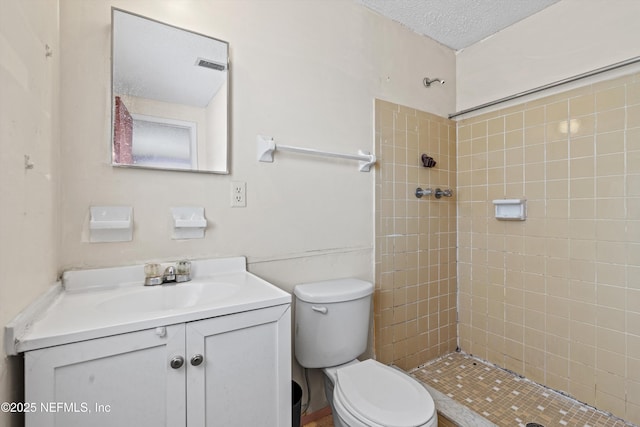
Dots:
pixel 505 398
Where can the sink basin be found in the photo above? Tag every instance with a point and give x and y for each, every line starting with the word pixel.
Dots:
pixel 110 301
pixel 169 297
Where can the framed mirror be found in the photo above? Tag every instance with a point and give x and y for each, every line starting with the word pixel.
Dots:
pixel 170 97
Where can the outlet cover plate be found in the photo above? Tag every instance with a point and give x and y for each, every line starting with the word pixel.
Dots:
pixel 238 194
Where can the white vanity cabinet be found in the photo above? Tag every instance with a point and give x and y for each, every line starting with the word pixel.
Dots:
pixel 245 379
pixel 225 371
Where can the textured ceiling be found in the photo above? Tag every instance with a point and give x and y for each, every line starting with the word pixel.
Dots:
pixel 457 23
pixel 156 61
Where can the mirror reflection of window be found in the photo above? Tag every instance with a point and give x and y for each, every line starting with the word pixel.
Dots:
pixel 170 96
pixel 164 143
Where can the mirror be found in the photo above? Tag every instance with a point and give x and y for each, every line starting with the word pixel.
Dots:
pixel 170 97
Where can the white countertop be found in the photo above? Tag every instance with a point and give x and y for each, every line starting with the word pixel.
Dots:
pixel 103 302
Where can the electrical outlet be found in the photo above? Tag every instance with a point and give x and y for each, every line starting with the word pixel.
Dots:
pixel 238 194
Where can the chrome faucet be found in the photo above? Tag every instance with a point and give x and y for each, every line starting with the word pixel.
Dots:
pixel 445 193
pixel 426 192
pixel 171 274
pixel 438 192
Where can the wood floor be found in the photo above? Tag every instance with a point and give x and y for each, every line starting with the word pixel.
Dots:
pixel 322 422
pixel 328 422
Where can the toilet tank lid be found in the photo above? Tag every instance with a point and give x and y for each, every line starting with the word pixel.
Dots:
pixel 337 290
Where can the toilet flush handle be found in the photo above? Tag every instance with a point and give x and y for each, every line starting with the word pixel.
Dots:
pixel 322 310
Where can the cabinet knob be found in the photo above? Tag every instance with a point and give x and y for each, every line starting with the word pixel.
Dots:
pixel 197 359
pixel 177 362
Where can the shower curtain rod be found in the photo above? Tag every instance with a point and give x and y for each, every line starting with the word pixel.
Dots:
pixel 549 86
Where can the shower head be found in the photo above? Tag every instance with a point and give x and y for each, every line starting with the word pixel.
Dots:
pixel 427 81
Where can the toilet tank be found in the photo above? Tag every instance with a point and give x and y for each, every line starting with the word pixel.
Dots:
pixel 331 321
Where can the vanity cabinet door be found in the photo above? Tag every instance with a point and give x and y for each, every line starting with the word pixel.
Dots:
pixel 244 378
pixel 124 380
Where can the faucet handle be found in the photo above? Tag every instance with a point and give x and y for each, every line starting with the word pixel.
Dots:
pixel 183 271
pixel 420 192
pixel 152 275
pixel 445 193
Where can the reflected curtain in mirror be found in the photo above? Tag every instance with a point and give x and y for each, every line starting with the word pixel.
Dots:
pixel 122 134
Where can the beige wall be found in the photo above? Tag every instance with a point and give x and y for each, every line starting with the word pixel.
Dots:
pixel 568 38
pixel 556 297
pixel 28 126
pixel 294 77
pixel 415 294
pixel 312 84
pixel 317 92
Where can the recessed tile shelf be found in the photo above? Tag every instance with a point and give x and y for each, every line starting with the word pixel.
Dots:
pixel 511 209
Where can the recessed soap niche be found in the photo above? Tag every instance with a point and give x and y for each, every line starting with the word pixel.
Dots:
pixel 511 209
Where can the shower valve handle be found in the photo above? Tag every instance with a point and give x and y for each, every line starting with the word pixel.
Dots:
pixel 445 193
pixel 420 192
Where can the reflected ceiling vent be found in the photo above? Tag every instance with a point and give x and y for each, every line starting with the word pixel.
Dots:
pixel 206 63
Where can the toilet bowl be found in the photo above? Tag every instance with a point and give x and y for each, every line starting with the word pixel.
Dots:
pixel 331 328
pixel 370 394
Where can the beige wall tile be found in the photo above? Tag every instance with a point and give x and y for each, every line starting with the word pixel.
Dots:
pixel 582 105
pixel 415 307
pixel 534 116
pixel 514 139
pixel 610 403
pixel 633 93
pixel 514 121
pixel 557 111
pixel 582 182
pixel 633 161
pixel 611 120
pixel 612 142
pixel 582 126
pixel 633 413
pixel 496 125
pixel 610 98
pixel 582 146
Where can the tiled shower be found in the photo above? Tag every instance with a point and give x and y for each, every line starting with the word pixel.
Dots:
pixel 415 298
pixel 555 298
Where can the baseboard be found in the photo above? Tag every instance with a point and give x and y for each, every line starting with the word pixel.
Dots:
pixel 314 416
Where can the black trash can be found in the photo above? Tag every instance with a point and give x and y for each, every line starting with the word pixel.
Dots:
pixel 296 401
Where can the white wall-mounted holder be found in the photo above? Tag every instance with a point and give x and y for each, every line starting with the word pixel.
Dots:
pixel 111 224
pixel 511 209
pixel 266 147
pixel 188 222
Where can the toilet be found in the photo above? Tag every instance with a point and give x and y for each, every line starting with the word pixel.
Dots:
pixel 331 331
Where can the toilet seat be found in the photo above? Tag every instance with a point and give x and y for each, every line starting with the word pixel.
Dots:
pixel 370 394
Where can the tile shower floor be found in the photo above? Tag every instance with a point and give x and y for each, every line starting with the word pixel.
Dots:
pixel 506 399
pixel 502 397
